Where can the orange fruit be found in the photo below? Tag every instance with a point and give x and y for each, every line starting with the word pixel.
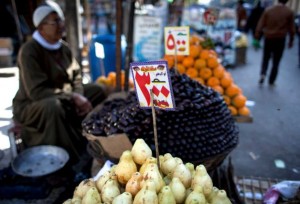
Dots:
pixel 170 60
pixel 111 78
pixel 205 54
pixel 200 63
pixel 244 111
pixel 212 62
pixel 200 80
pixel 213 81
pixel 112 75
pixel 239 100
pixel 212 52
pixel 227 99
pixel 188 61
pixel 195 50
pixel 218 88
pixel 180 68
pixel 233 110
pixel 205 73
pixel 228 74
pixel 192 72
pixel 226 81
pixel 219 71
pixel 232 90
pixel 194 40
pixel 180 58
pixel 101 80
pixel 110 82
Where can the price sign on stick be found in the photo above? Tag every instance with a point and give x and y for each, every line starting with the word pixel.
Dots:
pixel 153 89
pixel 153 75
pixel 177 40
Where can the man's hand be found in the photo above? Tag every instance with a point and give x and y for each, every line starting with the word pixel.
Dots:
pixel 83 106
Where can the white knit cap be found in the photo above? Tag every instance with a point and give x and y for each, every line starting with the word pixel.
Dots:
pixel 44 10
pixel 40 13
pixel 57 8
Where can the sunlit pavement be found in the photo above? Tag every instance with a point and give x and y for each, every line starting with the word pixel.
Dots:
pixel 8 87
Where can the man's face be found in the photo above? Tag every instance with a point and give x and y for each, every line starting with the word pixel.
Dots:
pixel 52 28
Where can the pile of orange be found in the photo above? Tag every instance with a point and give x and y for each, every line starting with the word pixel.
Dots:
pixel 203 65
pixel 110 80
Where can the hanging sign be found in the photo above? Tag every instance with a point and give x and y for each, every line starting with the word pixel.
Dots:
pixel 148 37
pixel 177 40
pixel 210 16
pixel 153 76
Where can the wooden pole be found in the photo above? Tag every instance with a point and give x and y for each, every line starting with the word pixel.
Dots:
pixel 119 14
pixel 88 21
pixel 155 129
pixel 16 17
pixel 129 44
pixel 74 29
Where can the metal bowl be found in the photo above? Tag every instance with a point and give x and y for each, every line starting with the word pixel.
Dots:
pixel 40 160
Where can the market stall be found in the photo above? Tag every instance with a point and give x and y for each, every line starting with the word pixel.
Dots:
pixel 200 130
pixel 207 99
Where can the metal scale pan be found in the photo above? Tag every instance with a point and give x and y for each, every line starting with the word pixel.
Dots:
pixel 40 160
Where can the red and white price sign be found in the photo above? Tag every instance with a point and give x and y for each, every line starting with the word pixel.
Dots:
pixel 210 16
pixel 153 76
pixel 177 40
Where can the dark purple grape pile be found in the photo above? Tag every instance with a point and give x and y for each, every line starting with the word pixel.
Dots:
pixel 200 127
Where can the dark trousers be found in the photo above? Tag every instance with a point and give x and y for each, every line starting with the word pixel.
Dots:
pixel 273 48
pixel 299 50
pixel 52 121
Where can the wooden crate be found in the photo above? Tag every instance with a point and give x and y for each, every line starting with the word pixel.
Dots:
pixel 252 189
pixel 243 119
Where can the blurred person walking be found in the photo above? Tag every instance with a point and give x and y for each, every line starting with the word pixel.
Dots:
pixel 252 22
pixel 241 16
pixel 275 24
pixel 298 33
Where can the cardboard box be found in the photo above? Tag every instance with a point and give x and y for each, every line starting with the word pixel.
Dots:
pixel 6 43
pixel 110 147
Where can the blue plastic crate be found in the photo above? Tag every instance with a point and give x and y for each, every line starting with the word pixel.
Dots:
pixel 109 44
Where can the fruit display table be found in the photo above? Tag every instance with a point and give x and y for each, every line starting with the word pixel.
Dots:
pixel 243 119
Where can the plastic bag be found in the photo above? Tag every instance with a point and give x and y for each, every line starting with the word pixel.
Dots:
pixel 286 189
pixel 256 44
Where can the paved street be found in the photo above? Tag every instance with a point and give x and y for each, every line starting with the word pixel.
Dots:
pixel 269 146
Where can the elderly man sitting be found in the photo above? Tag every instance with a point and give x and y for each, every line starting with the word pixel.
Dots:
pixel 52 101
